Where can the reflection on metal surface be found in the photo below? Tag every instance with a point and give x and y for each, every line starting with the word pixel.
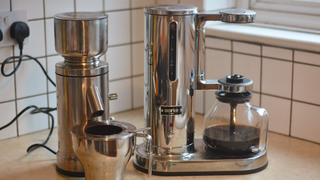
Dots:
pixel 199 162
pixel 104 149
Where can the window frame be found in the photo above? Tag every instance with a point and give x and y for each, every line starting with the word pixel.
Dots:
pixel 297 13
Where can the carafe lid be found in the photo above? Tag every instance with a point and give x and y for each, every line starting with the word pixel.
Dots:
pixel 171 9
pixel 235 83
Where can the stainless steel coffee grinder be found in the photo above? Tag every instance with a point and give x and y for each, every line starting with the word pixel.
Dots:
pixel 174 46
pixel 82 80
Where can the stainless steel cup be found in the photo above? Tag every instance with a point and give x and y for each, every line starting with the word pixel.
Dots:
pixel 104 149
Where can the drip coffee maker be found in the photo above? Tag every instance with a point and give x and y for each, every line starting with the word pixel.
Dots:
pixel 174 46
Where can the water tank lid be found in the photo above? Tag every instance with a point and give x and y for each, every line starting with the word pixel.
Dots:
pixel 171 9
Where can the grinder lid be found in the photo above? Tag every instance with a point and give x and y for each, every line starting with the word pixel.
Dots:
pixel 171 9
pixel 81 16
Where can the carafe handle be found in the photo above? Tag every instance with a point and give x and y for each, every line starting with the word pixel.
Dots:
pixel 229 15
pixel 149 139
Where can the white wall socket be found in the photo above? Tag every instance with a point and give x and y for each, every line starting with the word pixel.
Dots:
pixel 6 20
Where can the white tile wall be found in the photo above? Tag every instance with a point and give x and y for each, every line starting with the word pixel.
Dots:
pixel 125 57
pixel 7 84
pixel 248 66
pixel 247 48
pixel 5 52
pixel 276 77
pixel 277 52
pixel 141 3
pixel 307 57
pixel 33 7
pixel 30 79
pixel 50 37
pixel 29 123
pixel 110 5
pixel 137 59
pixel 124 101
pixel 85 5
pixel 167 1
pixel 119 62
pixel 8 112
pixel 53 7
pixel 305 121
pixel 119 35
pixel 217 64
pixel 137 19
pixel 5 5
pixel 218 43
pixel 138 91
pixel 279 113
pixel 255 99
pixel 306 83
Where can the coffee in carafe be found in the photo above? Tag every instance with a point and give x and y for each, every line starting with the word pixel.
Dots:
pixel 232 127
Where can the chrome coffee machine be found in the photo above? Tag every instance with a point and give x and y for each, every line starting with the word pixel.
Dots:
pixel 82 80
pixel 173 70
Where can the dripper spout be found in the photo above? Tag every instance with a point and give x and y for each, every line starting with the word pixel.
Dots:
pixel 95 103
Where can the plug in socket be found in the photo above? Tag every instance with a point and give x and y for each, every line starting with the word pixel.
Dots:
pixel 6 20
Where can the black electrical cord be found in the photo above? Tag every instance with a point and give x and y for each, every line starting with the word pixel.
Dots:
pixel 19 31
pixel 36 110
pixel 18 65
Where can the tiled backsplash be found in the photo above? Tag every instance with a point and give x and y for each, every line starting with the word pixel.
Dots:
pixel 281 76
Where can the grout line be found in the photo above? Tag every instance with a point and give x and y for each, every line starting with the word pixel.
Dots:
pixel 232 56
pixel 10 5
pixel 103 5
pixel 26 97
pixel 261 69
pixel 131 54
pixel 46 58
pixel 74 6
pixel 291 103
pixel 15 94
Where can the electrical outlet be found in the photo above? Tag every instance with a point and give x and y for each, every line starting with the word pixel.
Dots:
pixel 6 20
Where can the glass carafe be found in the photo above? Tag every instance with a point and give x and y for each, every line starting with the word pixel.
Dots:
pixel 232 127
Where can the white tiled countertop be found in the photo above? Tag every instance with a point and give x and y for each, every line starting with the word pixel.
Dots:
pixel 289 158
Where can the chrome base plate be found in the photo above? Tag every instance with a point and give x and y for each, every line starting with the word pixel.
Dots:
pixel 199 163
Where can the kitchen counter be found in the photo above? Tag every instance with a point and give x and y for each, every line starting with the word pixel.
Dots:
pixel 289 158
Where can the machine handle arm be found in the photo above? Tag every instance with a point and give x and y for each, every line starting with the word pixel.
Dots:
pixel 230 16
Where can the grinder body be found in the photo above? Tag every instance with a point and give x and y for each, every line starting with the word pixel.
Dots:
pixel 82 80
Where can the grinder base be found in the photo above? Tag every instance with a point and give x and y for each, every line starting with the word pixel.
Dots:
pixel 69 173
pixel 199 163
